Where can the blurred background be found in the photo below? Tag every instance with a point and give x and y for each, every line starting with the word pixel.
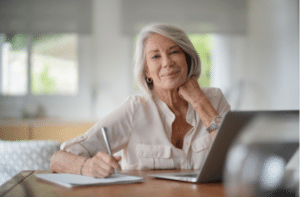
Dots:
pixel 64 64
pixel 73 59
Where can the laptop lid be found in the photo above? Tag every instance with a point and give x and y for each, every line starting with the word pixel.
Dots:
pixel 232 124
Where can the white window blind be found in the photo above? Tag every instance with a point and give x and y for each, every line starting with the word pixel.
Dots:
pixel 194 16
pixel 50 16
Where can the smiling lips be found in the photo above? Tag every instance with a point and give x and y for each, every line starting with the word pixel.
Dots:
pixel 170 74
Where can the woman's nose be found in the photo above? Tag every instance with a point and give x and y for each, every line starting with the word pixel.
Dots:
pixel 167 61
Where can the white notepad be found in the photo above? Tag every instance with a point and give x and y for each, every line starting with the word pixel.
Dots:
pixel 74 180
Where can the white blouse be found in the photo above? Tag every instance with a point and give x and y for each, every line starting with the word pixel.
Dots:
pixel 142 128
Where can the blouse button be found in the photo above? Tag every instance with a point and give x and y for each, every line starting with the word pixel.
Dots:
pixel 187 143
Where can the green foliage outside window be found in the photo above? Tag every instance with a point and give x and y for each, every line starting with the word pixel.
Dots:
pixel 43 83
pixel 17 41
pixel 203 45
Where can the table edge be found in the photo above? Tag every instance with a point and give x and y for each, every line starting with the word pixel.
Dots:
pixel 14 181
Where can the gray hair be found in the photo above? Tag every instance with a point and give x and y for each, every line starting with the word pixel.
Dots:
pixel 173 33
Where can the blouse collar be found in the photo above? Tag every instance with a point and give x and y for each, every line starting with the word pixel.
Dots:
pixel 190 116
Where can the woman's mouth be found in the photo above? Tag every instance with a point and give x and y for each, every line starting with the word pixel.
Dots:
pixel 170 74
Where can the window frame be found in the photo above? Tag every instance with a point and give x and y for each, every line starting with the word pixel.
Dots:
pixel 11 106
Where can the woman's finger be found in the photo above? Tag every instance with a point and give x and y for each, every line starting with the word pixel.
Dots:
pixel 100 169
pixel 107 167
pixel 112 161
pixel 100 172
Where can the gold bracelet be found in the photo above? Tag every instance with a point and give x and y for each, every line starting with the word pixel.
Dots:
pixel 82 165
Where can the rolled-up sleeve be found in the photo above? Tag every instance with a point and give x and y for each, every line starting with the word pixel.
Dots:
pixel 118 124
pixel 73 146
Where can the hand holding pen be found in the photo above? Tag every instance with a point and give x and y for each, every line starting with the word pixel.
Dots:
pixel 102 164
pixel 104 133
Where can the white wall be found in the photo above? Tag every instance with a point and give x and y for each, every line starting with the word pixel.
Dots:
pixel 272 55
pixel 112 64
pixel 260 70
pixel 228 65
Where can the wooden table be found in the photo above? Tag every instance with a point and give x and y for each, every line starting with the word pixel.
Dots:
pixel 26 184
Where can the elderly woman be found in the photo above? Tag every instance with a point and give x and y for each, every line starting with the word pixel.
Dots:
pixel 170 127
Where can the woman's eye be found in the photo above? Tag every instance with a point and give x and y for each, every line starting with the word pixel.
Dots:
pixel 155 56
pixel 173 52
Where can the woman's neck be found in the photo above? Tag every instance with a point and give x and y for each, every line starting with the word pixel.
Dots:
pixel 172 99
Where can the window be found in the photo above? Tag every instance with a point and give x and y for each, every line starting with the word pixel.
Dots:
pixel 203 45
pixel 14 56
pixel 40 64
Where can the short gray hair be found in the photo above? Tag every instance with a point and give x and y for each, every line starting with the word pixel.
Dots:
pixel 173 33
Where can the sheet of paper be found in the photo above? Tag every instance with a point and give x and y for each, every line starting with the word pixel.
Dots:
pixel 75 180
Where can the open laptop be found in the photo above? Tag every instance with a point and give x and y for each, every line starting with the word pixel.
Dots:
pixel 213 166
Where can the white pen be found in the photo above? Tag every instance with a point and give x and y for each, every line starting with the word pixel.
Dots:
pixel 104 133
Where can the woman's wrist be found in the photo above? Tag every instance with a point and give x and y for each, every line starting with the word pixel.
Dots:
pixel 84 166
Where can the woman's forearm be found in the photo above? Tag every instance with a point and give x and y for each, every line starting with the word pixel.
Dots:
pixel 65 162
pixel 193 94
pixel 205 110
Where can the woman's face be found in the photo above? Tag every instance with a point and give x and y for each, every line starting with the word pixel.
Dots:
pixel 165 63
